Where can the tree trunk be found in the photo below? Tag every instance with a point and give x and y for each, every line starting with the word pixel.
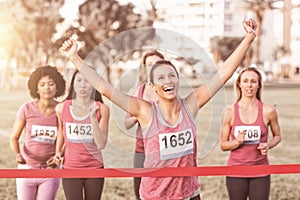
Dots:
pixel 256 54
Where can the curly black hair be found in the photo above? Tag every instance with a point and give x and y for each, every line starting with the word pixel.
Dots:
pixel 42 71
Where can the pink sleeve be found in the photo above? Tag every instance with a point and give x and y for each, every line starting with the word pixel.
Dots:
pixel 21 114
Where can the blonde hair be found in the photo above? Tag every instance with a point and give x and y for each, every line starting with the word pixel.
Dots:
pixel 143 75
pixel 238 91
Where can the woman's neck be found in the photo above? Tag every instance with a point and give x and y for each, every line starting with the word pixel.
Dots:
pixel 248 102
pixel 170 110
pixel 78 101
pixel 46 103
pixel 46 106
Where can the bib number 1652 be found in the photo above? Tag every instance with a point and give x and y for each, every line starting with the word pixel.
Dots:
pixel 174 145
pixel 172 140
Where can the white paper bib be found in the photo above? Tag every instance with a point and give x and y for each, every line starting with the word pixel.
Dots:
pixel 176 145
pixel 252 136
pixel 46 134
pixel 79 133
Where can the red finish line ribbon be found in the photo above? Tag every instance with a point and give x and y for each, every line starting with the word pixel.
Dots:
pixel 150 172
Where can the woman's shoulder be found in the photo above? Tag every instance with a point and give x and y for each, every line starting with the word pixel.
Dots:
pixel 29 103
pixel 229 109
pixel 101 104
pixel 60 105
pixel 269 108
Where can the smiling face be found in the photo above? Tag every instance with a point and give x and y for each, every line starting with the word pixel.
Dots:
pixel 165 81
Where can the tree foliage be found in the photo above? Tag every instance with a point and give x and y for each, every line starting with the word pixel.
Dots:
pixel 32 25
pixel 99 20
pixel 222 47
pixel 259 7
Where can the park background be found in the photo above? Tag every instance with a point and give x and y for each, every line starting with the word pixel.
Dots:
pixel 32 32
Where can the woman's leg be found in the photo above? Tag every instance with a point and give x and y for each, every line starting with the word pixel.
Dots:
pixel 73 188
pixel 26 188
pixel 93 188
pixel 138 162
pixel 237 188
pixel 47 188
pixel 259 188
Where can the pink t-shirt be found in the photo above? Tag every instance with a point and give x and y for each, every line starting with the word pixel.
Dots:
pixel 40 134
pixel 247 153
pixel 170 146
pixel 81 150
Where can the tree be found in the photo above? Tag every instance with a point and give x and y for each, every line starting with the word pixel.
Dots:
pixel 222 47
pixel 99 20
pixel 259 7
pixel 31 27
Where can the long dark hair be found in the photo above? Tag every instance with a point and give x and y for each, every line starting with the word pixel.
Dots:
pixel 71 93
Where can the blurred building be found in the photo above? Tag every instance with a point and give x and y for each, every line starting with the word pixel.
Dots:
pixel 295 36
pixel 200 20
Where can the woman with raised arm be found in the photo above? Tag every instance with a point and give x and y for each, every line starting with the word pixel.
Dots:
pixel 143 91
pixel 168 125
pixel 244 133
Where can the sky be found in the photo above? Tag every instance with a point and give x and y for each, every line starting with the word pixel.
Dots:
pixel 70 9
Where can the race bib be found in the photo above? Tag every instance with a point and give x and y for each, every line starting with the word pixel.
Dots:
pixel 176 145
pixel 252 136
pixel 46 134
pixel 79 133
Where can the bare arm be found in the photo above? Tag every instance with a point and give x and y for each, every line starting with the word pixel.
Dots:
pixel 100 129
pixel 59 151
pixel 133 105
pixel 204 93
pixel 275 128
pixel 129 120
pixel 14 140
pixel 225 142
pixel 272 117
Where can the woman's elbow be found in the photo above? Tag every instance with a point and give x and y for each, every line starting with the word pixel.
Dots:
pixel 102 145
pixel 223 146
pixel 127 125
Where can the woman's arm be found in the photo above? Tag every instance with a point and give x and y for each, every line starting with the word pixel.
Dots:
pixel 272 116
pixel 59 150
pixel 134 106
pixel 275 128
pixel 205 92
pixel 225 143
pixel 129 120
pixel 100 129
pixel 14 140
